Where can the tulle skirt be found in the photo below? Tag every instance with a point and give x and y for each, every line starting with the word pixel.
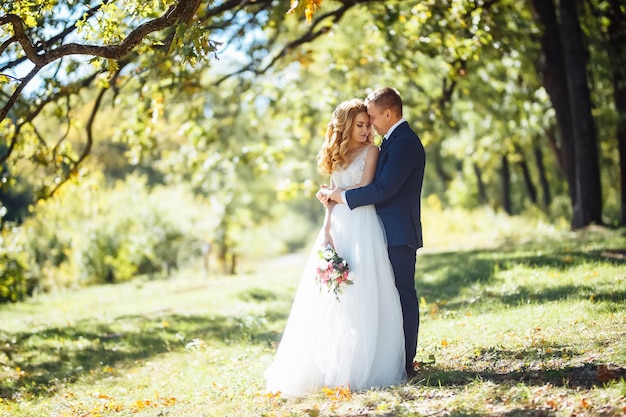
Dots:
pixel 356 342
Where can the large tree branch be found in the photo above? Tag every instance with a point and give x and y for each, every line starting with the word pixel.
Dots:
pixel 19 36
pixel 182 11
pixel 310 35
pixel 40 46
pixel 229 5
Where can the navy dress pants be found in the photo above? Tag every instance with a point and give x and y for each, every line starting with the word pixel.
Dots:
pixel 403 263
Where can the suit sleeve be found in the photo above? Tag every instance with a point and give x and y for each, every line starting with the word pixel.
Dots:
pixel 401 159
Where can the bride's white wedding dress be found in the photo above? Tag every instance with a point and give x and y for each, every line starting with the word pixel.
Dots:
pixel 357 341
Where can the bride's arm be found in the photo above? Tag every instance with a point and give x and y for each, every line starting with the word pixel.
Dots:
pixel 371 159
pixel 328 240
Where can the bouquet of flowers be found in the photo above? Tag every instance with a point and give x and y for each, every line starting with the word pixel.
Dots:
pixel 332 271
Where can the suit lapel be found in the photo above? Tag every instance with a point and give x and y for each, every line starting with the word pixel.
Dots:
pixel 381 158
pixel 383 144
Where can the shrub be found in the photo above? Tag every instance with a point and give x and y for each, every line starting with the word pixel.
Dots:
pixel 15 281
pixel 94 233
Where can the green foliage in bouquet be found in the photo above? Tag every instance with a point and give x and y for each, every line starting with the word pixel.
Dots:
pixel 333 272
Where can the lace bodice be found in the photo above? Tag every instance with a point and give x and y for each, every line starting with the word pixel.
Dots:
pixel 352 174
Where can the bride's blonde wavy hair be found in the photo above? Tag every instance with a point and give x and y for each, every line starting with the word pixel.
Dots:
pixel 334 151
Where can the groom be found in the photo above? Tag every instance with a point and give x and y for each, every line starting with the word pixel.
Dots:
pixel 396 192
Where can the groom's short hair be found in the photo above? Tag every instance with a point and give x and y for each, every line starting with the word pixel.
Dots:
pixel 386 98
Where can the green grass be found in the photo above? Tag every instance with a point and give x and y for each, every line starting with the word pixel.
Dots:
pixel 518 327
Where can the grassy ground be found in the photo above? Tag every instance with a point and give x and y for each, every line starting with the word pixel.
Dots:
pixel 536 328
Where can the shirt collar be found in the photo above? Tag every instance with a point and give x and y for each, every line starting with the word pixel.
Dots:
pixel 392 128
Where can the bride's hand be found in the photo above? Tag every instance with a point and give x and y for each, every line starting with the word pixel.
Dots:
pixel 322 194
pixel 328 241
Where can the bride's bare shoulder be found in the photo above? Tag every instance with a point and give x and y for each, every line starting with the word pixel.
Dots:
pixel 371 152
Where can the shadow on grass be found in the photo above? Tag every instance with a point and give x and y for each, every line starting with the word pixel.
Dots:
pixel 448 276
pixel 522 412
pixel 583 376
pixel 444 276
pixel 529 367
pixel 35 363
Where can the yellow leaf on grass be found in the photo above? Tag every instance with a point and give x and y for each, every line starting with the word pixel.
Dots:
pixel 338 393
pixel 313 412
pixel 168 401
pixel 344 392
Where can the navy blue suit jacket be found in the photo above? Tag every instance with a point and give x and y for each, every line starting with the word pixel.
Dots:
pixel 397 187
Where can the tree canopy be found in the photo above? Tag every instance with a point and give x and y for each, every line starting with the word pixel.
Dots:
pixel 520 103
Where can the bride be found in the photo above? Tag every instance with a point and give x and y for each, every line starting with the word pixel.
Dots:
pixel 355 341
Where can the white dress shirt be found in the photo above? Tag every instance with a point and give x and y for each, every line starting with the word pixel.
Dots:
pixel 392 128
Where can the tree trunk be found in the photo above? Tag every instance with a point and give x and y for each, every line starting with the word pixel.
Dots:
pixel 620 99
pixel 617 54
pixel 444 177
pixel 528 181
pixel 482 193
pixel 543 178
pixel 552 69
pixel 505 176
pixel 553 143
pixel 588 207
